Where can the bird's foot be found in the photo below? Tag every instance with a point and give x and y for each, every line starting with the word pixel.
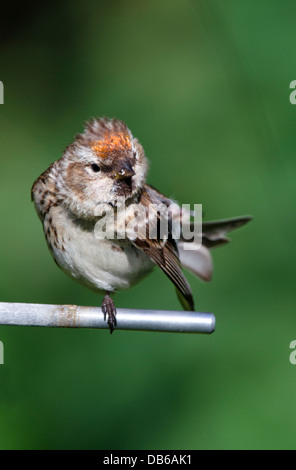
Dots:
pixel 109 310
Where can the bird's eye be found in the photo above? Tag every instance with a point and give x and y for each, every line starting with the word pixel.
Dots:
pixel 95 168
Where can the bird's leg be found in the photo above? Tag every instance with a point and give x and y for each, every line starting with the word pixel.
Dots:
pixel 108 309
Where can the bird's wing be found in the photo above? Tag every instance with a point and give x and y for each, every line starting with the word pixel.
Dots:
pixel 161 250
pixel 214 233
pixel 199 260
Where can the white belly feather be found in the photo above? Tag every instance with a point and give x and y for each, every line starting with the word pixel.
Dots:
pixel 107 265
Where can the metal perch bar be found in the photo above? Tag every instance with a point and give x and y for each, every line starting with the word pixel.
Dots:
pixel 73 316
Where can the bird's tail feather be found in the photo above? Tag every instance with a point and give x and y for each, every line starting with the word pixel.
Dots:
pixel 199 261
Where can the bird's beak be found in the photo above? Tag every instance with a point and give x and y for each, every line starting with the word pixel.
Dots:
pixel 125 171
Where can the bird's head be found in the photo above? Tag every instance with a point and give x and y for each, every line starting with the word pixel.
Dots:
pixel 103 164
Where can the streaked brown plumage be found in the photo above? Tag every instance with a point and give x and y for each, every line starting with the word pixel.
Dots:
pixel 104 166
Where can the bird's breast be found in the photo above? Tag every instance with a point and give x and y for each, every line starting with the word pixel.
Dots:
pixel 107 264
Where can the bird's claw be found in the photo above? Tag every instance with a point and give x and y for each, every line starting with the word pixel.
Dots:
pixel 108 309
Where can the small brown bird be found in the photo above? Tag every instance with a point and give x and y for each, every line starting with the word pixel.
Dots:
pixel 103 174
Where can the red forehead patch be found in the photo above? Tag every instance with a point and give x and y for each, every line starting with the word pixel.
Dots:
pixel 111 143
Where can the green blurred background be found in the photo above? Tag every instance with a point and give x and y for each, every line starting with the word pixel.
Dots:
pixel 204 85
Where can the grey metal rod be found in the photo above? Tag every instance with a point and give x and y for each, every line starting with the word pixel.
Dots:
pixel 73 316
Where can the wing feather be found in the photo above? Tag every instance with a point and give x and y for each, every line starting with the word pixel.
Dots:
pixel 164 253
